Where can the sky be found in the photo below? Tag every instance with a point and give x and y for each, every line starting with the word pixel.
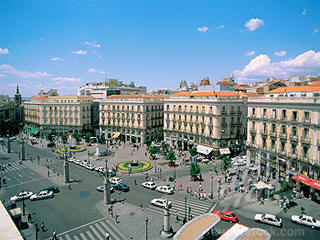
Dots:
pixel 64 44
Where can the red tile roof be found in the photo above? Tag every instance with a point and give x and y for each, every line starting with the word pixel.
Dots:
pixel 137 96
pixel 39 98
pixel 296 89
pixel 314 84
pixel 206 94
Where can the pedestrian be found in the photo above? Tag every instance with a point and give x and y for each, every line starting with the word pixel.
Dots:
pixel 29 218
pixel 184 221
pixel 107 236
pixel 229 188
pixel 116 218
pixel 177 216
pixel 69 186
pixel 43 227
pixel 302 210
pixel 54 235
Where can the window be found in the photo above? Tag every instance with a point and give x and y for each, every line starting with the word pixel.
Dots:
pixel 283 129
pixel 239 120
pixel 306 115
pixel 197 109
pixel 202 109
pixel 253 139
pixel 232 120
pixel 284 114
pixel 232 109
pixel 306 132
pixel 293 148
pixel 253 124
pixel 223 109
pixel 294 131
pixel 179 107
pixel 239 109
pixel 274 113
pixel 264 112
pixel 265 127
pixel 305 151
pixel 283 146
pixel 274 128
pixel 253 111
pixel 273 143
pixel 210 109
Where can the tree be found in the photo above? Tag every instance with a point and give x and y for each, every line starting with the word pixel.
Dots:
pixel 64 138
pixel 226 162
pixel 171 156
pixel 76 136
pixel 193 151
pixel 194 170
pixel 133 139
pixel 285 189
pixel 147 142
pixel 87 137
pixel 153 150
pixel 164 146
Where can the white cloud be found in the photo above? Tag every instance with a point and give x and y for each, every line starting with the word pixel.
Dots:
pixel 92 70
pixel 203 29
pixel 2 75
pixel 253 24
pixel 261 67
pixel 5 68
pixel 250 53
pixel 60 80
pixel 4 51
pixel 304 12
pixel 80 52
pixel 220 27
pixel 93 44
pixel 57 59
pixel 280 53
pixel 316 30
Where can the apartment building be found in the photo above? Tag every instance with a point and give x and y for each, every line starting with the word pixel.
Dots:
pixel 138 115
pixel 58 114
pixel 213 119
pixel 284 132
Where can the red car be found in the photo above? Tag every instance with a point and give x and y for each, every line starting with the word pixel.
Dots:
pixel 227 215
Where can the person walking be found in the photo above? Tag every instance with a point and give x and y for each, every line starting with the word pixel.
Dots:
pixel 116 218
pixel 54 235
pixel 43 226
pixel 107 236
pixel 177 216
pixel 29 218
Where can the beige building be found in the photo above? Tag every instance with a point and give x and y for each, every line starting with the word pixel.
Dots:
pixel 58 114
pixel 284 132
pixel 214 119
pixel 138 115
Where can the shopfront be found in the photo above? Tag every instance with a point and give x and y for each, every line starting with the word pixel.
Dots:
pixel 282 169
pixel 309 187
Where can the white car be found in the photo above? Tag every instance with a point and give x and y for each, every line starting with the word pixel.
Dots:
pixel 239 163
pixel 84 163
pixel 90 166
pixel 268 219
pixel 77 162
pixel 160 202
pixel 306 220
pixel 115 180
pixel 21 195
pixel 165 189
pixel 150 185
pixel 71 159
pixel 99 169
pixel 42 195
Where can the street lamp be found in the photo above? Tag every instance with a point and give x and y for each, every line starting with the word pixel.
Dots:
pixel 211 175
pixel 146 219
pixel 174 171
pixel 185 206
pixel 107 198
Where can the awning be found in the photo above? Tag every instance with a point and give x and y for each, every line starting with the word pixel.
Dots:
pixel 116 135
pixel 204 150
pixel 315 184
pixel 34 131
pixel 302 179
pixel 224 151
pixel 261 185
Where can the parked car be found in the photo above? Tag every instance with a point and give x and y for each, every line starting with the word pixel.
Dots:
pixel 121 187
pixel 99 169
pixel 101 189
pixel 227 215
pixel 84 163
pixel 77 162
pixel 306 220
pixel 21 195
pixel 54 189
pixel 165 189
pixel 90 167
pixel 240 162
pixel 12 138
pixel 268 219
pixel 160 202
pixel 115 180
pixel 51 144
pixel 150 185
pixel 42 195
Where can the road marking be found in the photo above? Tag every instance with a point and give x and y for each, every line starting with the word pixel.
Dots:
pixel 68 237
pixel 114 228
pixel 95 232
pixel 76 238
pixel 213 207
pixel 19 175
pixel 84 225
pixel 83 236
pixel 90 235
pixel 34 180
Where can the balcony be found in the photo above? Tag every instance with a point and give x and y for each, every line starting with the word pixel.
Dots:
pixel 239 112
pixel 294 119
pixel 232 112
pixel 307 120
pixel 274 134
pixel 222 124
pixel 293 137
pixel 283 135
pixel 305 139
pixel 253 131
pixel 284 118
pixel 224 113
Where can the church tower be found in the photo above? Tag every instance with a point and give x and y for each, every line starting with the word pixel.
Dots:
pixel 17 96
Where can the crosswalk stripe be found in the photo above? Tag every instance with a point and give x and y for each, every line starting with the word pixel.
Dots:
pixel 100 229
pixel 181 210
pixel 68 237
pixel 90 235
pixel 95 232
pixel 76 238
pixel 83 236
pixel 109 230
pixel 191 204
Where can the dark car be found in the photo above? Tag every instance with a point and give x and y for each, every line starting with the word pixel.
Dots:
pixel 51 144
pixel 121 187
pixel 54 189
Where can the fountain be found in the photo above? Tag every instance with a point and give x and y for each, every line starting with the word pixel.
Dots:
pixel 134 163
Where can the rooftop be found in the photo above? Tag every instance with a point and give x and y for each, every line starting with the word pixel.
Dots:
pixel 296 89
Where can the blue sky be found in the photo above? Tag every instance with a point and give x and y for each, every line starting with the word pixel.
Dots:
pixel 64 44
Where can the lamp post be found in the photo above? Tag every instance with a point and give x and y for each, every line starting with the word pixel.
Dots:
pixel 185 206
pixel 211 175
pixel 146 219
pixel 106 195
pixel 66 165
pixel 174 171
pixel 166 233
